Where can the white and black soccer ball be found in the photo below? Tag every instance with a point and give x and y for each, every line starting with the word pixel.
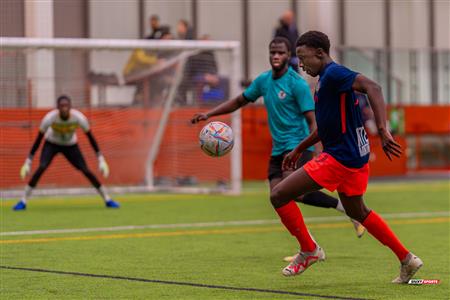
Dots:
pixel 216 139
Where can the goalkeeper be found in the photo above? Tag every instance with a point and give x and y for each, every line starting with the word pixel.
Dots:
pixel 58 126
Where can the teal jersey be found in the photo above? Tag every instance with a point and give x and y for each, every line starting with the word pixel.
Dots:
pixel 286 99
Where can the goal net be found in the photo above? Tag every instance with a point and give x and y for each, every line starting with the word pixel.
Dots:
pixel 139 97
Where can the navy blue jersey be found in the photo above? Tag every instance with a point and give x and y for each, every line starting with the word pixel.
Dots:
pixel 338 117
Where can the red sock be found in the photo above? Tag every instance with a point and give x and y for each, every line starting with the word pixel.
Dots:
pixel 292 219
pixel 381 231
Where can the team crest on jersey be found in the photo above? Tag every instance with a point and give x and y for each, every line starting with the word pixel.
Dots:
pixel 281 95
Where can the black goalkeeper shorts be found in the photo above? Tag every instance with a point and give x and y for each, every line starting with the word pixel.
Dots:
pixel 72 153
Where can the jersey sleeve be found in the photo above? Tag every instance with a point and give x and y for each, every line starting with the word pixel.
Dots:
pixel 47 121
pixel 253 92
pixel 343 78
pixel 83 121
pixel 303 96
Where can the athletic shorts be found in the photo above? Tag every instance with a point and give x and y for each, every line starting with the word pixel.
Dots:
pixel 275 163
pixel 332 175
pixel 72 153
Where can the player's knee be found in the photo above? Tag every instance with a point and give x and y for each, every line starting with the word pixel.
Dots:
pixel 276 197
pixel 358 214
pixel 364 213
pixel 353 215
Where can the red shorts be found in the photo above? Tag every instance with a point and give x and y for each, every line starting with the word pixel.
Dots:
pixel 332 175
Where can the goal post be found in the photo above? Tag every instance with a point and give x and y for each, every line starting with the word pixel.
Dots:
pixel 138 95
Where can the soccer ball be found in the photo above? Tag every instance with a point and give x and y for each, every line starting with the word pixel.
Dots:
pixel 216 139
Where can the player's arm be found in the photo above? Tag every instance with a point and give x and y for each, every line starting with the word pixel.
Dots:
pixel 311 120
pixel 310 117
pixel 93 142
pixel 373 90
pixel 45 124
pixel 102 165
pixel 36 144
pixel 84 124
pixel 291 158
pixel 26 167
pixel 222 109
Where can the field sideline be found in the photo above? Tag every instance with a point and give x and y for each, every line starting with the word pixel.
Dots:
pixel 162 246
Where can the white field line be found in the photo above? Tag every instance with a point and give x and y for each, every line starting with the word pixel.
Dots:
pixel 216 224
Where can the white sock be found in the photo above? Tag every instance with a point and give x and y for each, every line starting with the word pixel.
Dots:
pixel 27 193
pixel 340 207
pixel 102 191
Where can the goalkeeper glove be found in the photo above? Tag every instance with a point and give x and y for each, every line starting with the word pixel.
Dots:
pixel 26 168
pixel 103 166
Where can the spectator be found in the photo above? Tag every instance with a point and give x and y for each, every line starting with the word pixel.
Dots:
pixel 166 54
pixel 156 28
pixel 149 88
pixel 167 35
pixel 184 31
pixel 288 29
pixel 201 76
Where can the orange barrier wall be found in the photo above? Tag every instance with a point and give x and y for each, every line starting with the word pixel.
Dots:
pixel 427 119
pixel 180 154
pixel 379 163
pixel 256 143
pixel 124 137
pixel 418 120
pixel 428 129
pixel 114 130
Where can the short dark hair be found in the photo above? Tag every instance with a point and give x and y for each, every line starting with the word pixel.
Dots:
pixel 281 40
pixel 63 97
pixel 314 39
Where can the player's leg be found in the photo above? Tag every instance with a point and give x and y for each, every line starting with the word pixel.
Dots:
pixel 280 175
pixel 320 199
pixel 296 184
pixel 350 193
pixel 75 157
pixel 290 216
pixel 275 176
pixel 48 153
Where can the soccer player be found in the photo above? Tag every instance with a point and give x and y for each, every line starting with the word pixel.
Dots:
pixel 343 164
pixel 58 126
pixel 290 109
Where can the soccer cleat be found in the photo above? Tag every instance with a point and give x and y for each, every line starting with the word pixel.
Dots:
pixel 358 228
pixel 291 258
pixel 112 204
pixel 303 260
pixel 21 205
pixel 408 269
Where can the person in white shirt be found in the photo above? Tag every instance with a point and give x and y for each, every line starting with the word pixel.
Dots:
pixel 58 127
